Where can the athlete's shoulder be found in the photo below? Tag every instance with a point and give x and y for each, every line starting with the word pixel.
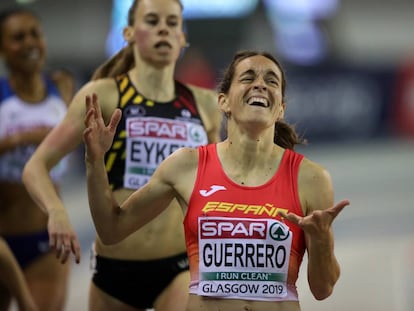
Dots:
pixel 107 93
pixel 102 84
pixel 312 171
pixel 315 185
pixel 182 157
pixel 104 88
pixel 179 163
pixel 65 82
pixel 203 95
pixel 184 154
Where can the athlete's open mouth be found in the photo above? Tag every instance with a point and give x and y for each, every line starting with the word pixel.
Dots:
pixel 258 101
pixel 32 54
pixel 163 44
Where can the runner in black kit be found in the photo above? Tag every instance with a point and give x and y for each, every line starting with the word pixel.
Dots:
pixel 148 269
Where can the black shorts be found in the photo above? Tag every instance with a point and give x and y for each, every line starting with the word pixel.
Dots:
pixel 134 282
pixel 27 248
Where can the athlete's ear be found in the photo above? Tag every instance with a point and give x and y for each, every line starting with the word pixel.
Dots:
pixel 282 111
pixel 223 103
pixel 128 34
pixel 183 40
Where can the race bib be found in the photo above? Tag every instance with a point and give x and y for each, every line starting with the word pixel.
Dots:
pixel 151 140
pixel 242 257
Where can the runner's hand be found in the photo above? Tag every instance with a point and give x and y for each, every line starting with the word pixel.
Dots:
pixel 97 136
pixel 62 237
pixel 319 222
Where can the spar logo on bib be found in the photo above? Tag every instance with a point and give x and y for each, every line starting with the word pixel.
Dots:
pixel 233 229
pixel 149 140
pixel 197 134
pixel 156 128
pixel 279 232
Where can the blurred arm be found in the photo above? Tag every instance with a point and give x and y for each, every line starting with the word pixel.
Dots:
pixel 207 104
pixel 12 277
pixel 62 140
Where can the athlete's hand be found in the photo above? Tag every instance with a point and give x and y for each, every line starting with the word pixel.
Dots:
pixel 97 136
pixel 319 222
pixel 62 237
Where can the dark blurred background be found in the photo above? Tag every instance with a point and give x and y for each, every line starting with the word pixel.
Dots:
pixel 349 63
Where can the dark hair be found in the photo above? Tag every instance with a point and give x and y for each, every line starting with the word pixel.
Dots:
pixel 122 61
pixel 285 134
pixel 5 14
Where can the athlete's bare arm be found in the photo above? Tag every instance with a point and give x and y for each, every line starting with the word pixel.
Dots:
pixel 172 179
pixel 12 278
pixel 62 140
pixel 317 200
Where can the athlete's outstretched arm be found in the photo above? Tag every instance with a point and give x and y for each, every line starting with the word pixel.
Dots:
pixel 113 222
pixel 316 192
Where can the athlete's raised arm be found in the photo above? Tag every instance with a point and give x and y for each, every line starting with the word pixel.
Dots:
pixel 113 222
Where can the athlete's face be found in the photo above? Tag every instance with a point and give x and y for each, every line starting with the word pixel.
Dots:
pixel 158 31
pixel 23 46
pixel 255 95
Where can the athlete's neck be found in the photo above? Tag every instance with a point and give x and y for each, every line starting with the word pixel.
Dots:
pixel 247 154
pixel 155 84
pixel 30 88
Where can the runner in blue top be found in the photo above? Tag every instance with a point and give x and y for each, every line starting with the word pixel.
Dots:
pixel 31 104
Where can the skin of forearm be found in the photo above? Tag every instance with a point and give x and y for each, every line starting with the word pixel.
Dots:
pixel 43 190
pixel 323 268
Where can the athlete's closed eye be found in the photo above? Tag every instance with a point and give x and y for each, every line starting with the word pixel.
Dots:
pixel 154 20
pixel 173 21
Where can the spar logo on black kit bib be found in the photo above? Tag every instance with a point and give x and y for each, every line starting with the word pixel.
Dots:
pixel 196 134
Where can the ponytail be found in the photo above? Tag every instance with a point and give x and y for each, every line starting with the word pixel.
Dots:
pixel 120 63
pixel 286 136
